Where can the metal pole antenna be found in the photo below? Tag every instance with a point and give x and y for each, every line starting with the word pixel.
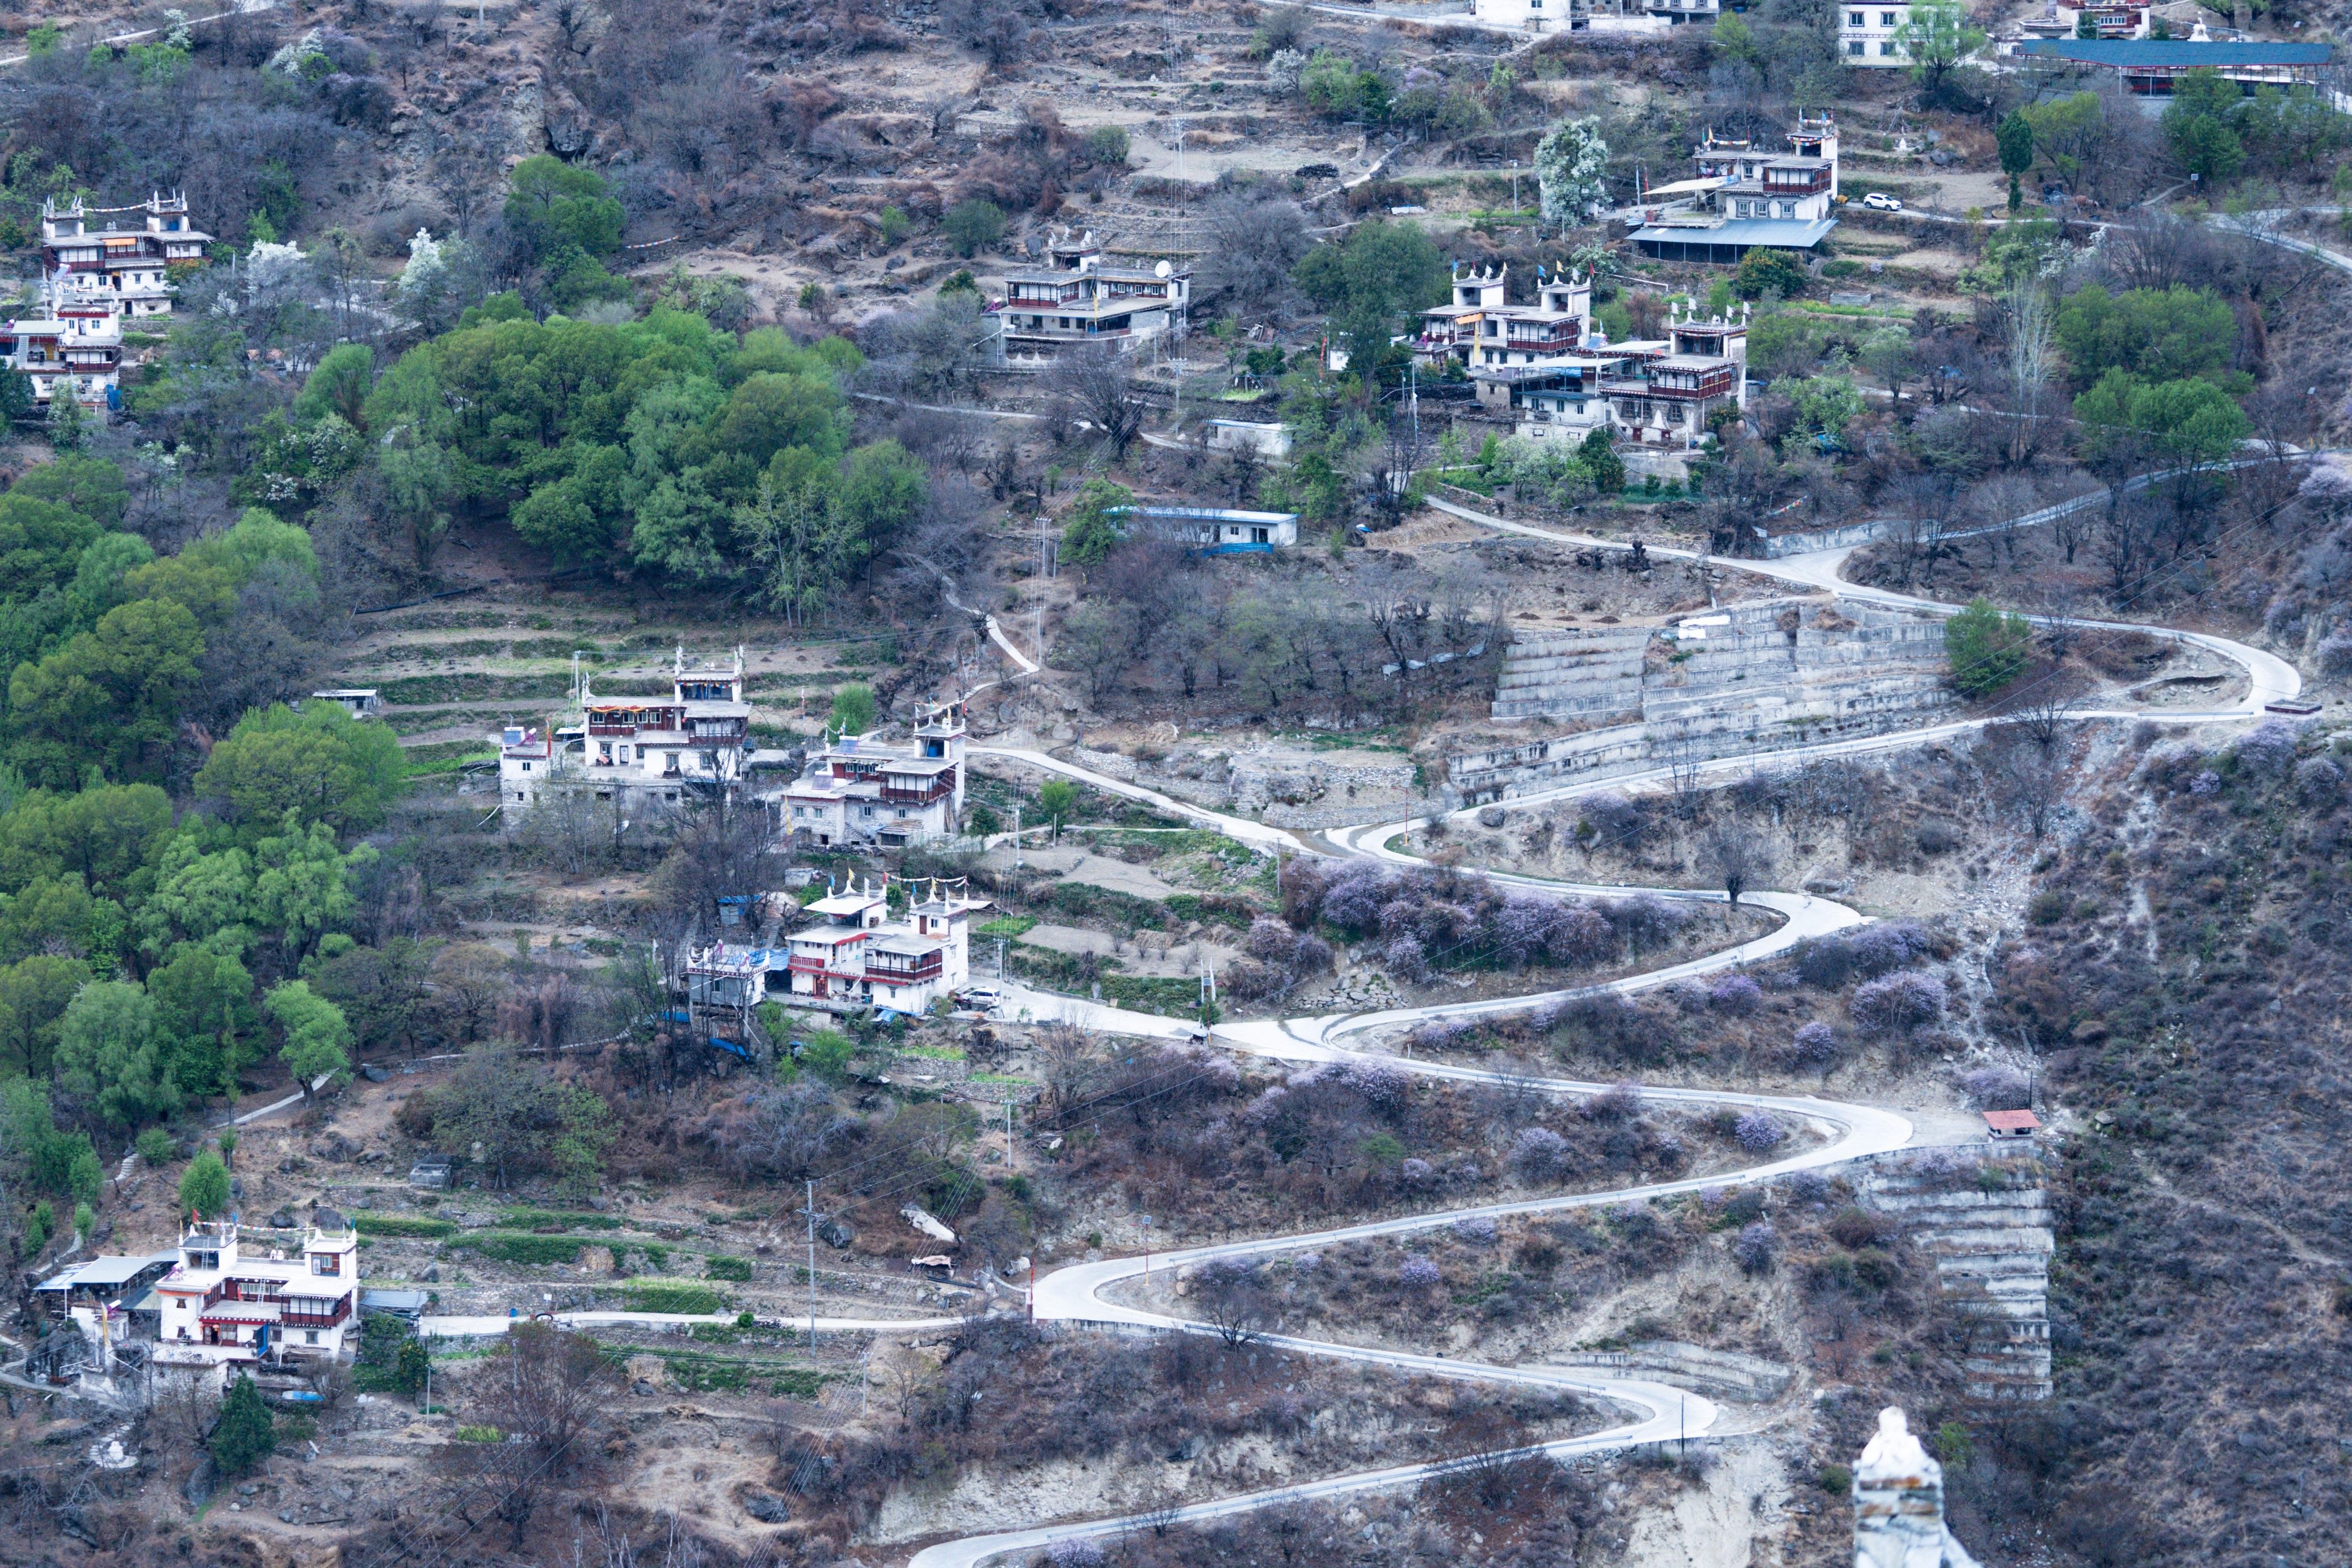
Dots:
pixel 811 1262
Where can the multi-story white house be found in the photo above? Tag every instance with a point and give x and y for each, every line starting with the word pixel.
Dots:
pixel 856 957
pixel 1873 34
pixel 86 255
pixel 1661 394
pixel 1477 328
pixel 1745 198
pixel 647 748
pixel 76 349
pixel 857 791
pixel 1077 299
pixel 223 1308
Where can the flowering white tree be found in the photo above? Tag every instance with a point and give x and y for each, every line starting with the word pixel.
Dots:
pixel 1568 165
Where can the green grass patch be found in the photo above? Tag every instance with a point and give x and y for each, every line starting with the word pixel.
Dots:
pixel 1214 909
pixel 722 1267
pixel 550 1220
pixel 479 1435
pixel 702 1374
pixel 445 757
pixel 673 1296
pixel 1168 996
pixel 510 1247
pixel 934 1053
pixel 1006 926
pixel 403 1225
pixel 410 690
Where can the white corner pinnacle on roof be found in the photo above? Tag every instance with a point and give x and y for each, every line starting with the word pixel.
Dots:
pixel 1899 1503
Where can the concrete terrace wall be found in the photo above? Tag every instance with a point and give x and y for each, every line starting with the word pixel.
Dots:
pixel 1778 673
pixel 1992 1254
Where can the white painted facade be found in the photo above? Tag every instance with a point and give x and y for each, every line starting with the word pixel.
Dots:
pixel 1872 35
pixel 221 1307
pixel 857 791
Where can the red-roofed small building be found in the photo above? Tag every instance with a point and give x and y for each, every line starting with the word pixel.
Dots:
pixel 2007 1125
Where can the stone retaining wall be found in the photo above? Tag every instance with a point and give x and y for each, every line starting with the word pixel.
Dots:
pixel 1779 673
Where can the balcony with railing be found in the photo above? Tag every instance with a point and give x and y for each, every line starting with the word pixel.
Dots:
pixel 314 1312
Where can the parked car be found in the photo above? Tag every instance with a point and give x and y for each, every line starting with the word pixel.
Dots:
pixel 1881 201
pixel 980 999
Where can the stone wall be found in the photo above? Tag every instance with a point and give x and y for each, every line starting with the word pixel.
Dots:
pixel 1778 673
pixel 1992 1254
pixel 1279 786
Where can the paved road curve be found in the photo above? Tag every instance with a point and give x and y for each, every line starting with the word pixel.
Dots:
pixel 1075 1294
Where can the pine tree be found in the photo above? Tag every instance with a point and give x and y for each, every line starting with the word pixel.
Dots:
pixel 244 1435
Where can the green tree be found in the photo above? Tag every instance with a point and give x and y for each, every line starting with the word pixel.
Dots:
pixel 204 1017
pixel 318 1038
pixel 108 834
pixel 1598 454
pixel 1985 649
pixel 108 1055
pixel 552 204
pixel 1372 285
pixel 1937 35
pixel 244 1435
pixel 109 697
pixel 1057 798
pixel 320 765
pixel 2156 334
pixel 854 712
pixel 2014 139
pixel 1108 145
pixel 883 488
pixel 973 225
pixel 90 486
pixel 340 386
pixel 41 543
pixel 1332 84
pixel 2200 125
pixel 34 995
pixel 1095 524
pixel 1766 273
pixel 204 1185
pixel 1828 405
pixel 2188 424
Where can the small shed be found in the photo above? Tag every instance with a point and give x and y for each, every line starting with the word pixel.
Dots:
pixel 2005 1125
pixel 360 702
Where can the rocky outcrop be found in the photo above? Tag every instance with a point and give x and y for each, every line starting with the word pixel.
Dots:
pixel 1992 1253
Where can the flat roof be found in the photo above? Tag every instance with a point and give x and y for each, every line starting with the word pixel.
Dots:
pixel 911 946
pixel 2011 1121
pixel 830 936
pixel 1793 234
pixel 920 765
pixel 2181 53
pixel 1689 363
pixel 845 903
pixel 99 1274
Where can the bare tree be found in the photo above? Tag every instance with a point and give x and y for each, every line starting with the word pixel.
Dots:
pixel 1067 1062
pixel 2032 337
pixel 1255 242
pixel 1735 854
pixel 2025 763
pixel 1095 387
pixel 1232 1300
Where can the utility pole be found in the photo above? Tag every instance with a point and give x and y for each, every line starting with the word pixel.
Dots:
pixel 1147 1247
pixel 1016 866
pixel 811 1212
pixel 1514 188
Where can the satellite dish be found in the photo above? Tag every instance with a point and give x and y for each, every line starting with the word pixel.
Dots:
pixel 1163 270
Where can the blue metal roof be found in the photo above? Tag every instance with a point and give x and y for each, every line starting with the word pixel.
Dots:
pixel 1202 514
pixel 1792 234
pixel 2179 52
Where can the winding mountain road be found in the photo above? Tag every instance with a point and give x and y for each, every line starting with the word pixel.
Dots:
pixel 1076 1294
